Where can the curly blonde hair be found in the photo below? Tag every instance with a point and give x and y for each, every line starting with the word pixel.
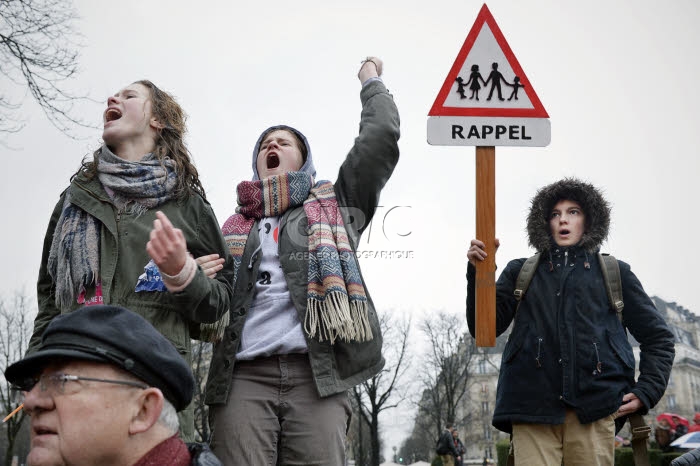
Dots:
pixel 170 142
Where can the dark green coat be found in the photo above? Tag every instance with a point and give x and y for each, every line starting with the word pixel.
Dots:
pixel 362 176
pixel 123 257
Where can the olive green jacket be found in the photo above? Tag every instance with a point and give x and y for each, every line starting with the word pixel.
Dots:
pixel 123 257
pixel 366 169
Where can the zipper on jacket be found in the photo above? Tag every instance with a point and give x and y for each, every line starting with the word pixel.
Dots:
pixel 539 348
pixel 598 365
pixel 566 257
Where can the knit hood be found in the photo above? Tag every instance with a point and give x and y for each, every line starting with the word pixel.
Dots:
pixel 595 208
pixel 308 166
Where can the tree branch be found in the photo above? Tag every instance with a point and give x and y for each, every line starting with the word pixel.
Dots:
pixel 39 52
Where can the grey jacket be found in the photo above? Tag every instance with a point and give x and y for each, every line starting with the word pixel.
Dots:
pixel 363 174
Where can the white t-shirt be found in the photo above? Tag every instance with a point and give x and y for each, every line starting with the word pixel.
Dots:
pixel 272 326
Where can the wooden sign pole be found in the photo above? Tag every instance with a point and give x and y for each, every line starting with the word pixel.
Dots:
pixel 486 232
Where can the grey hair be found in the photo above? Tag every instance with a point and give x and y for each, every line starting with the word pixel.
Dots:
pixel 168 417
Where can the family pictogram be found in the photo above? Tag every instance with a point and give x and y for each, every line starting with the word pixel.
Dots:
pixel 495 78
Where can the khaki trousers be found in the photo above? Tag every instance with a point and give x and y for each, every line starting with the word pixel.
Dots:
pixel 447 460
pixel 274 416
pixel 575 443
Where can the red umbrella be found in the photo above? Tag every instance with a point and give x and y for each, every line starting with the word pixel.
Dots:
pixel 673 419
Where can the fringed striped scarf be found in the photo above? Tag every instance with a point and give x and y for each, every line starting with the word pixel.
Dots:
pixel 337 306
pixel 135 187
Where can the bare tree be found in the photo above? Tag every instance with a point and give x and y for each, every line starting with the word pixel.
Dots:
pixel 201 359
pixel 16 324
pixel 358 439
pixel 420 444
pixel 446 371
pixel 38 51
pixel 385 390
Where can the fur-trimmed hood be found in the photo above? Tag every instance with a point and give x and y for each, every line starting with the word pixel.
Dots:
pixel 595 208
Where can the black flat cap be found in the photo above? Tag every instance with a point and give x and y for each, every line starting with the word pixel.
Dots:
pixel 116 336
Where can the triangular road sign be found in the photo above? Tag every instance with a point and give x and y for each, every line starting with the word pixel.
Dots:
pixel 486 80
pixel 487 99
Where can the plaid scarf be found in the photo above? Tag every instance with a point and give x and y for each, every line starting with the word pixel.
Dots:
pixel 337 306
pixel 134 187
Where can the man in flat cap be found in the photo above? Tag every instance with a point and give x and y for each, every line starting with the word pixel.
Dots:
pixel 104 389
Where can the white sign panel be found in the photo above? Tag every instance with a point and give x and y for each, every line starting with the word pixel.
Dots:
pixel 488 131
pixel 487 99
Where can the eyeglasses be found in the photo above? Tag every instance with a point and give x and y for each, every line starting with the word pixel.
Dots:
pixel 55 383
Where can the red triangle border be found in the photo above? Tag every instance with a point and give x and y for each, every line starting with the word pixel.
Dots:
pixel 438 108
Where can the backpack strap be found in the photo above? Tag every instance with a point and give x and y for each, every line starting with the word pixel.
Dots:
pixel 613 285
pixel 510 461
pixel 525 276
pixel 640 433
pixel 613 282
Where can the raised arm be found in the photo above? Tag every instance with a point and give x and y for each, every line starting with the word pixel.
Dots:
pixel 372 159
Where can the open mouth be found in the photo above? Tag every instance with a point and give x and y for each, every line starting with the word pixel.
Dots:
pixel 112 114
pixel 273 161
pixel 563 232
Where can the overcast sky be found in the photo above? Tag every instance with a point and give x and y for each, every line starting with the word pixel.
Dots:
pixel 617 79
